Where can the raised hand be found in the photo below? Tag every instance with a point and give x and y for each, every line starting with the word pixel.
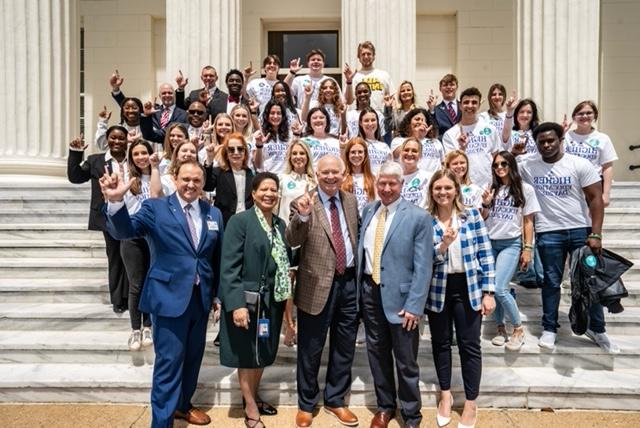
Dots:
pixel 203 97
pixel 487 195
pixel 208 126
pixel 449 235
pixel 511 103
pixel 254 104
pixel 154 160
pixel 308 89
pixel 260 138
pixel 463 140
pixel 296 128
pixel 305 202
pixel 388 100
pixel 78 143
pixel 181 81
pixel 212 151
pixel 566 124
pixel 248 71
pixel 149 107
pixel 113 187
pixel 104 114
pixel 294 65
pixel 116 81
pixel 133 135
pixel 348 72
pixel 432 100
pixel 342 139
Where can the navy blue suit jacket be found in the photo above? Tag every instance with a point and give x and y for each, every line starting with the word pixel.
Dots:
pixel 174 261
pixel 444 120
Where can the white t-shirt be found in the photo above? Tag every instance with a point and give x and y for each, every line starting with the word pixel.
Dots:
pixel 134 202
pixel 353 119
pixel 483 140
pixel 359 192
pixel 497 123
pixel 471 195
pixel 380 83
pixel 298 84
pixel 415 188
pixel 321 146
pixel 505 219
pixel 432 153
pixel 273 156
pixel 379 153
pixel 559 192
pixel 261 90
pixel 595 147
pixel 292 186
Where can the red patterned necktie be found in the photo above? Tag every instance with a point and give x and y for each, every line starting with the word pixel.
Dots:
pixel 338 240
pixel 164 120
pixel 452 113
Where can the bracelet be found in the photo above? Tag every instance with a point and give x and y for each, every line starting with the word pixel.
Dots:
pixel 293 72
pixel 349 82
pixel 528 247
pixel 254 112
pixel 486 206
pixel 595 236
pixel 259 147
pixel 488 293
pixel 508 117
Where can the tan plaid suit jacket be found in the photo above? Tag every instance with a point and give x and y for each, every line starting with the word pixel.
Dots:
pixel 317 254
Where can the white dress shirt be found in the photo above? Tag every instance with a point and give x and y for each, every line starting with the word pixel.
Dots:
pixel 370 233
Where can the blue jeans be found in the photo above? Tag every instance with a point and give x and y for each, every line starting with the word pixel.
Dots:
pixel 506 253
pixel 554 247
pixel 534 271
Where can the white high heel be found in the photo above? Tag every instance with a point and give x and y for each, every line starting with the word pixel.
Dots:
pixel 443 421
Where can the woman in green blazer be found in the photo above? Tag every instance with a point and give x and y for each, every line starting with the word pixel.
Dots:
pixel 255 258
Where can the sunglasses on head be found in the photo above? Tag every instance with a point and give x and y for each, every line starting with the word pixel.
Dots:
pixel 503 164
pixel 196 112
pixel 238 149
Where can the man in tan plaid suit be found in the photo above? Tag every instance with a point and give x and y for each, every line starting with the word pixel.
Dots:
pixel 325 226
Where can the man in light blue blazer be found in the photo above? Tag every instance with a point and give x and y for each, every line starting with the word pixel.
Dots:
pixel 185 241
pixel 395 253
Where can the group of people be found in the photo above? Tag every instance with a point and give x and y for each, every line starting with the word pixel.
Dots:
pixel 299 207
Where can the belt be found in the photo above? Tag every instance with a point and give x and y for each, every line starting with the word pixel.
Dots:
pixel 369 279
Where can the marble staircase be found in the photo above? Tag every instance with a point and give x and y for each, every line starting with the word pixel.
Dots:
pixel 60 341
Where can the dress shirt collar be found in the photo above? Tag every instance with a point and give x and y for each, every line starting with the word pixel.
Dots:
pixel 324 198
pixel 392 207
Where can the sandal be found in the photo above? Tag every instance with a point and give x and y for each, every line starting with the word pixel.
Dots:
pixel 248 422
pixel 264 408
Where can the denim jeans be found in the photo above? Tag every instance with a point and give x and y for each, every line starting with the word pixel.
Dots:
pixel 506 253
pixel 554 247
pixel 534 273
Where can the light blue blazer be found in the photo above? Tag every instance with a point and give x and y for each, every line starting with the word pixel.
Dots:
pixel 407 259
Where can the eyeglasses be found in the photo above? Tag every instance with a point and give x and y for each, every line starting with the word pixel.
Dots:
pixel 197 112
pixel 503 164
pixel 235 149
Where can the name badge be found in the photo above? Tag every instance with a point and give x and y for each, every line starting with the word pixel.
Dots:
pixel 212 225
pixel 263 328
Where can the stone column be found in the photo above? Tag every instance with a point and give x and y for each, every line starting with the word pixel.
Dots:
pixel 558 53
pixel 203 32
pixel 39 83
pixel 390 25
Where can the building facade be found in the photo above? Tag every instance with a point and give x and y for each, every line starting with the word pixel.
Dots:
pixel 57 56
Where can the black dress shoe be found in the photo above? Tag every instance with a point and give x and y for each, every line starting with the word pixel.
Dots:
pixel 118 309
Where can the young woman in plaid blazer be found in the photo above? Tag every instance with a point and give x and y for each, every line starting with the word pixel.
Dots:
pixel 461 291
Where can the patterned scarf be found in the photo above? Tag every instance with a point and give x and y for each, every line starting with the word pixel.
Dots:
pixel 282 288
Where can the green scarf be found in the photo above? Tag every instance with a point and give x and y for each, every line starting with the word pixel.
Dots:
pixel 282 288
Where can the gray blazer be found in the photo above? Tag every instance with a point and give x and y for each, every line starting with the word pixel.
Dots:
pixel 407 259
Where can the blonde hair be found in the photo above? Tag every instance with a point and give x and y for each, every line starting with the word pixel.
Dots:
pixel 450 157
pixel 288 167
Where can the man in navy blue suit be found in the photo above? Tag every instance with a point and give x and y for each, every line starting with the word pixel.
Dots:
pixel 447 113
pixel 185 240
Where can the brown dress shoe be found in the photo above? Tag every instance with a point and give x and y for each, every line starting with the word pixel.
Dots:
pixel 303 419
pixel 194 416
pixel 343 415
pixel 381 419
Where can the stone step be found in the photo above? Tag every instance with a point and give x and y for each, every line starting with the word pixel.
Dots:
pixel 505 387
pixel 54 290
pixel 47 231
pixel 50 267
pixel 65 248
pixel 621 232
pixel 97 316
pixel 42 215
pixel 37 201
pixel 532 296
pixel 105 347
pixel 620 200
pixel 618 215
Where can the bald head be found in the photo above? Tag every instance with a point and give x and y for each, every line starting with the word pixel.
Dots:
pixel 166 95
pixel 330 174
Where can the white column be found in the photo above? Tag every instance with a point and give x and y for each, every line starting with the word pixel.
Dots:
pixel 558 54
pixel 390 25
pixel 203 32
pixel 39 85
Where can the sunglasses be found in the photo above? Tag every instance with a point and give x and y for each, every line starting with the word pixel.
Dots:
pixel 235 149
pixel 197 112
pixel 503 164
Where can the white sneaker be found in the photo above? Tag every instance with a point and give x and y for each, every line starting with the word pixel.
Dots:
pixel 547 340
pixel 134 340
pixel 147 337
pixel 603 341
